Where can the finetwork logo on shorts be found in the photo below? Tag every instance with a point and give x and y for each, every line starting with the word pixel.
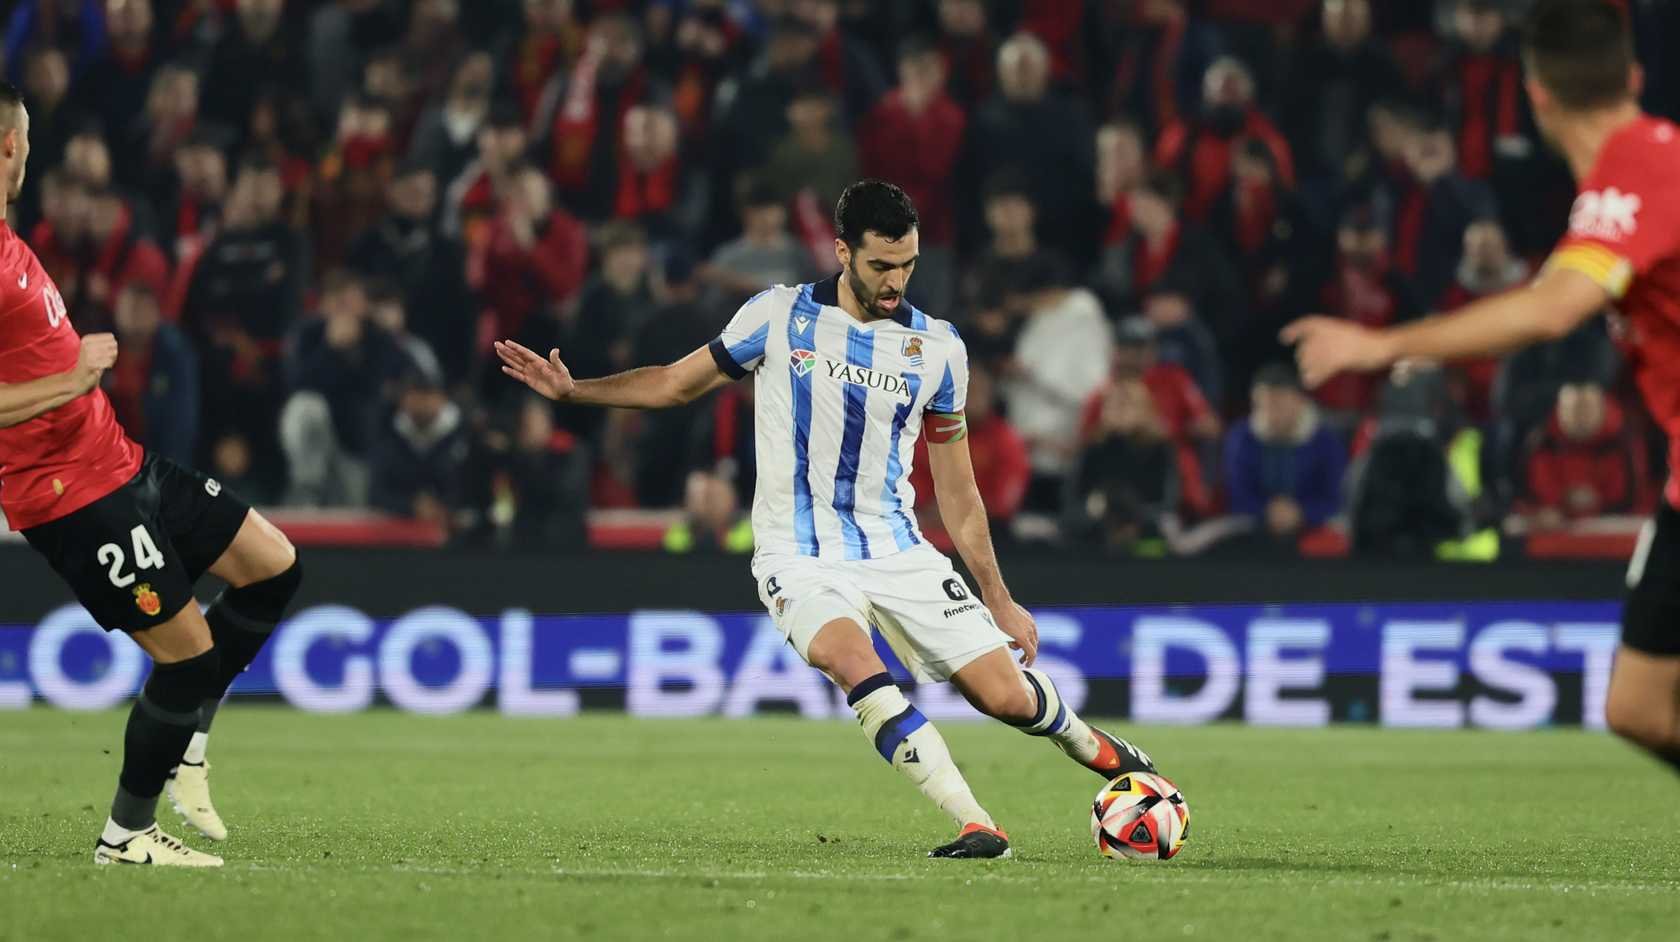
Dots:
pixel 803 362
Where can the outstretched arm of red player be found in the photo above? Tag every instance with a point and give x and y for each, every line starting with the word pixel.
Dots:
pixel 20 402
pixel 1552 306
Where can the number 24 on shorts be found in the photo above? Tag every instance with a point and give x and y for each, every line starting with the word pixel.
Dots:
pixel 146 556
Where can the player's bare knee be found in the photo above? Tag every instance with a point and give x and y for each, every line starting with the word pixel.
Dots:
pixel 842 650
pixel 1009 702
pixel 1642 723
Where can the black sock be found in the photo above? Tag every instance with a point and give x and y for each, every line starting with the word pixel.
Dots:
pixel 207 713
pixel 1670 759
pixel 160 725
pixel 241 621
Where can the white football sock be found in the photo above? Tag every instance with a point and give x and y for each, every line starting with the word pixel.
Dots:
pixel 115 833
pixel 905 738
pixel 1057 720
pixel 195 749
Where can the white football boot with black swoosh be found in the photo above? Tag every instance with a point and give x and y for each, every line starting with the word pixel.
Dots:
pixel 153 847
pixel 188 788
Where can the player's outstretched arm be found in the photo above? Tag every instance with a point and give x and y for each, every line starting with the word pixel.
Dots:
pixel 650 387
pixel 1554 304
pixel 20 402
pixel 964 514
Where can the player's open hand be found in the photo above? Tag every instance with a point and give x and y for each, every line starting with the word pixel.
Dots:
pixel 1018 624
pixel 1325 346
pixel 549 377
pixel 98 354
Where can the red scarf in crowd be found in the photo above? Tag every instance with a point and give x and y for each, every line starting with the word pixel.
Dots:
pixel 1256 210
pixel 1491 86
pixel 644 193
pixel 579 120
pixel 1150 260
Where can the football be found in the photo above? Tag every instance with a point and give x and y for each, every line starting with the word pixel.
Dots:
pixel 1140 816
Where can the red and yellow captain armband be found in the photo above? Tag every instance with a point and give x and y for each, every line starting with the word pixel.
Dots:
pixel 945 427
pixel 1608 270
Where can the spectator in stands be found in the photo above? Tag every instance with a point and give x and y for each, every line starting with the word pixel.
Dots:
pixel 1191 425
pixel 387 78
pixel 1061 357
pixel 351 179
pixel 1266 229
pixel 1433 213
pixel 1199 149
pixel 1184 340
pixel 1416 482
pixel 417 459
pixel 989 282
pixel 52 115
pixel 536 256
pixel 846 66
pixel 1486 268
pixel 589 106
pixel 722 442
pixel 764 254
pixel 712 520
pixel 967 45
pixel 1366 287
pixel 913 139
pixel 425 266
pixel 154 386
pixel 115 86
pixel 1482 82
pixel 650 173
pixel 539 483
pixel 261 51
pixel 388 311
pixel 149 140
pixel 551 41
pixel 340 369
pixel 681 322
pixel 1525 390
pixel 447 137
pixel 753 114
pixel 1126 479
pixel 200 188
pixel 1002 469
pixel 1047 138
pixel 1331 87
pixel 243 295
pixel 694 58
pixel 115 253
pixel 1283 466
pixel 1162 252
pixel 815 154
pixel 595 340
pixel 1143 48
pixel 470 200
pixel 1122 166
pixel 1588 460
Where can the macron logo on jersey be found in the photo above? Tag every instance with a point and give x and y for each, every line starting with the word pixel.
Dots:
pixel 1605 214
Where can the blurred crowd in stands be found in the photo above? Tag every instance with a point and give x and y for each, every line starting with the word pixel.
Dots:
pixel 306 221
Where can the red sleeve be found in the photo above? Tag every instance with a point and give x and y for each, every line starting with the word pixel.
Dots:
pixel 1627 216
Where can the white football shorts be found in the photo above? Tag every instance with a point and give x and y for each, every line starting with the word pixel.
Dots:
pixel 930 617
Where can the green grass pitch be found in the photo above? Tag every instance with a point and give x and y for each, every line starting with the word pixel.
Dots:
pixel 383 825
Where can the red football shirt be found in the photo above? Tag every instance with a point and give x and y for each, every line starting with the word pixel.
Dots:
pixel 58 462
pixel 1624 233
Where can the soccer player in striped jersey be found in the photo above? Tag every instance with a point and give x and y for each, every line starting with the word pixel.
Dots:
pixel 847 375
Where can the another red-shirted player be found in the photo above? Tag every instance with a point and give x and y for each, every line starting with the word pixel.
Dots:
pixel 130 532
pixel 1623 249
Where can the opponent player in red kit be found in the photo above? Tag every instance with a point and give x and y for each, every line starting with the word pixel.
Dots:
pixel 130 533
pixel 1622 252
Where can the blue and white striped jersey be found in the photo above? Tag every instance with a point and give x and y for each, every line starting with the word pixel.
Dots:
pixel 838 408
